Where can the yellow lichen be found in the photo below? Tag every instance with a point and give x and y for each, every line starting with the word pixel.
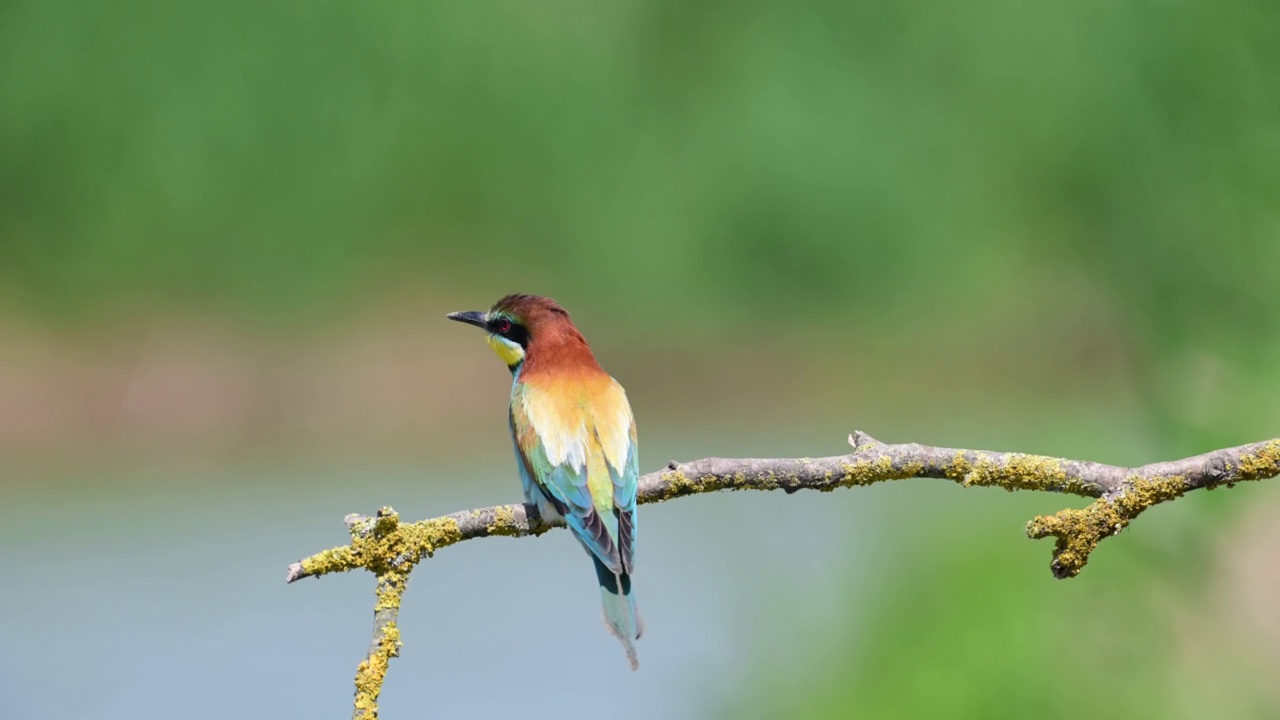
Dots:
pixel 504 522
pixel 1264 463
pixel 390 589
pixel 959 467
pixel 912 469
pixel 857 472
pixel 427 536
pixel 339 559
pixel 390 550
pixel 1078 532
pixel 866 472
pixel 1016 471
pixel 677 485
pixel 372 671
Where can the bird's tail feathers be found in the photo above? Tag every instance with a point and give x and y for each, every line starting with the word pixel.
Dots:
pixel 620 614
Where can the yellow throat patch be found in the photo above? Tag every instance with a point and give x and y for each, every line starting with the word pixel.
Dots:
pixel 510 352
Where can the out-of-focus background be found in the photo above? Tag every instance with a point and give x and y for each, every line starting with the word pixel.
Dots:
pixel 229 234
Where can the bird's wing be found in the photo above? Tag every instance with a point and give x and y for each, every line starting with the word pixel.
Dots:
pixel 615 428
pixel 562 452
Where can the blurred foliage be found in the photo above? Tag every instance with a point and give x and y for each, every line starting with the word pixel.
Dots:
pixel 748 158
pixel 695 167
pixel 803 164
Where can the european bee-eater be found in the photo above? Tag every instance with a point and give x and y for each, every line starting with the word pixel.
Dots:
pixel 575 441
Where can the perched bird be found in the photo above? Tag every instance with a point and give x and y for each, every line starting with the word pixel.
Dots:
pixel 575 442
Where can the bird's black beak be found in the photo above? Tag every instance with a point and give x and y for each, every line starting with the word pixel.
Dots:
pixel 470 317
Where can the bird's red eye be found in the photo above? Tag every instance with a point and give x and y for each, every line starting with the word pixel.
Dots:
pixel 503 325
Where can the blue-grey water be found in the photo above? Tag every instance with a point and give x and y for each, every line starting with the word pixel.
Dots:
pixel 148 599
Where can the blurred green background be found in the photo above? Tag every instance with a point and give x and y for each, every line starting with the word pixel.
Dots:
pixel 229 234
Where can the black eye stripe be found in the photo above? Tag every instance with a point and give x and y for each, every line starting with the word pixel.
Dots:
pixel 512 331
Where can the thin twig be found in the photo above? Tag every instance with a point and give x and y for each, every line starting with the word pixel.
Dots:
pixel 391 549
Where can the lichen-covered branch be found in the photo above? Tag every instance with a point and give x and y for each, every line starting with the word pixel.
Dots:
pixel 390 549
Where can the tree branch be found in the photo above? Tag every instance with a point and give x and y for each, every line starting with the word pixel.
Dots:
pixel 390 549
